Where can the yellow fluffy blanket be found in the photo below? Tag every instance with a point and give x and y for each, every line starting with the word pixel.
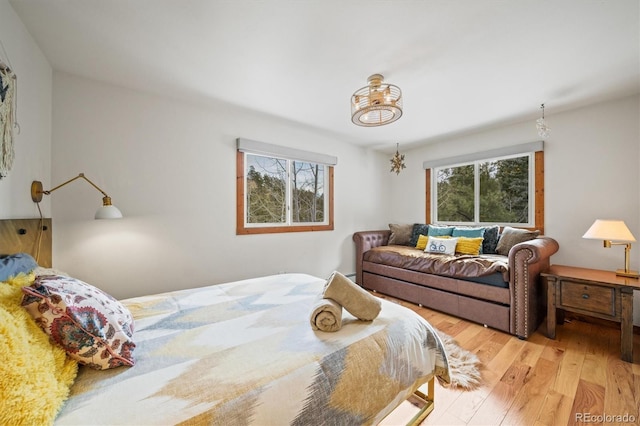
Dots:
pixel 35 375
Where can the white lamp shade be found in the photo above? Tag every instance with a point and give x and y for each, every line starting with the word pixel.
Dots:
pixel 108 212
pixel 611 230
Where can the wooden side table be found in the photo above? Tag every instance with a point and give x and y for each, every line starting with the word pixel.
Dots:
pixel 592 292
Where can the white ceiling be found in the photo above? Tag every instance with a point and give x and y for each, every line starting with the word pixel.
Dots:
pixel 462 64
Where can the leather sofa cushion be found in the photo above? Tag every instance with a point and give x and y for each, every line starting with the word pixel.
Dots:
pixel 457 266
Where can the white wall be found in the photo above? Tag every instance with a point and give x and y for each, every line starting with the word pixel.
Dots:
pixel 170 167
pixel 591 172
pixel 33 143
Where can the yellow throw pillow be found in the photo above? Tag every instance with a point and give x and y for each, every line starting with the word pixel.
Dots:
pixel 467 245
pixel 422 242
pixel 36 374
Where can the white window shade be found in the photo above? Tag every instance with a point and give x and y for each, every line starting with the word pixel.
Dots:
pixel 494 153
pixel 267 149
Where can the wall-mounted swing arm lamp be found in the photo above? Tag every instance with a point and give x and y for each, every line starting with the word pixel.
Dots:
pixel 107 211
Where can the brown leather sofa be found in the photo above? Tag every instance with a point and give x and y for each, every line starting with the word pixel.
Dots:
pixel 517 309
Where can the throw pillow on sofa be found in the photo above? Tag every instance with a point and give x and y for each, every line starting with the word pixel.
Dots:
pixel 418 229
pixel 422 242
pixel 440 231
pixel 441 245
pixel 400 233
pixel 469 245
pixel 469 232
pixel 491 234
pixel 512 236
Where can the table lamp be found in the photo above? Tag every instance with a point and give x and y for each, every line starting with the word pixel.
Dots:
pixel 610 231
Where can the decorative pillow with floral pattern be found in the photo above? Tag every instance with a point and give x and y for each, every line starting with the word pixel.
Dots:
pixel 92 327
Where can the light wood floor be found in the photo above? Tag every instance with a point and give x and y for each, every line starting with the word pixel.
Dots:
pixel 567 381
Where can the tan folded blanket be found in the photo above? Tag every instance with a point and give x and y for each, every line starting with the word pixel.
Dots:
pixel 352 297
pixel 326 315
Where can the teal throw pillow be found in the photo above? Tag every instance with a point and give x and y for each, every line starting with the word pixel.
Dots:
pixel 468 232
pixel 440 231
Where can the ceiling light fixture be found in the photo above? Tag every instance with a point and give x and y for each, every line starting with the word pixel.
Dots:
pixel 377 104
pixel 397 162
pixel 541 125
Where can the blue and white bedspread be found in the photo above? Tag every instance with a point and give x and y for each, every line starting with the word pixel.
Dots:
pixel 244 353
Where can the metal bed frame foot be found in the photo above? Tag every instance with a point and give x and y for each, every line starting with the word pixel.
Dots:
pixel 424 402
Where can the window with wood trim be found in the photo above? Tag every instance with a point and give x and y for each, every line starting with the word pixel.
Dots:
pixel 507 190
pixel 278 194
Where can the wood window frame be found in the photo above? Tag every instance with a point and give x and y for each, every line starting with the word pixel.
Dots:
pixel 538 191
pixel 241 229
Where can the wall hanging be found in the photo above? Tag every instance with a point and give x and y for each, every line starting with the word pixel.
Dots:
pixel 397 162
pixel 8 107
pixel 541 125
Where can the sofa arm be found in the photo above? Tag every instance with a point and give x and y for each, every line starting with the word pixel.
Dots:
pixel 366 240
pixel 526 261
pixel 540 248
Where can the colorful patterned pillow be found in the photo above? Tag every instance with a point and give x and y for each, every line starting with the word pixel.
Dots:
pixel 441 245
pixel 92 327
pixel 469 245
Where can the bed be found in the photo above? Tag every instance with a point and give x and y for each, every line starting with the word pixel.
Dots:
pixel 244 353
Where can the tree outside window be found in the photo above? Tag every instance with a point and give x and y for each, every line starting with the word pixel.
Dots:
pixel 283 195
pixel 485 191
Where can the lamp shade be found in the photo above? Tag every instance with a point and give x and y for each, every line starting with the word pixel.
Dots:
pixel 108 212
pixel 611 230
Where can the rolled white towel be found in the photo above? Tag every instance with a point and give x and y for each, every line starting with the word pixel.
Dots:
pixel 352 297
pixel 326 315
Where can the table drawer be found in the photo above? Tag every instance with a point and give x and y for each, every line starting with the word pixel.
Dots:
pixel 588 297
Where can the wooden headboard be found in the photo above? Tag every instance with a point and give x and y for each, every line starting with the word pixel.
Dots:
pixel 31 236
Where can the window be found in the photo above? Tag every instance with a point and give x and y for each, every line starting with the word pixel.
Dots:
pixel 276 193
pixel 491 191
pixel 480 189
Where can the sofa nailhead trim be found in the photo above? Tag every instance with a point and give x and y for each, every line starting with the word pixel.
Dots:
pixel 526 294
